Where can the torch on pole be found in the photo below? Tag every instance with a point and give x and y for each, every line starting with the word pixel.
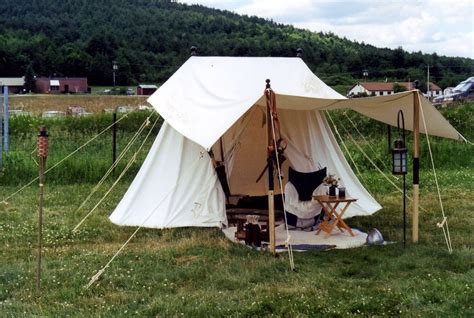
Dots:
pixel 42 155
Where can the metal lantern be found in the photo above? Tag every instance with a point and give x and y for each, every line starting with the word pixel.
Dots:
pixel 399 165
pixel 399 157
pixel 399 152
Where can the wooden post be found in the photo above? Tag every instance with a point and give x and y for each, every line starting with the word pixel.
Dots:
pixel 271 184
pixel 6 132
pixel 114 139
pixel 416 164
pixel 1 131
pixel 42 155
pixel 389 138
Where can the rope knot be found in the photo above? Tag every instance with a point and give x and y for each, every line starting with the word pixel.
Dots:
pixel 95 277
pixel 440 225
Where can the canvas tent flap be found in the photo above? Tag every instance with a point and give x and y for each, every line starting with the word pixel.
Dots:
pixel 311 146
pixel 385 109
pixel 175 187
pixel 207 95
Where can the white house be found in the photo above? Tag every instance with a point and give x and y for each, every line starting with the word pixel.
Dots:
pixel 386 88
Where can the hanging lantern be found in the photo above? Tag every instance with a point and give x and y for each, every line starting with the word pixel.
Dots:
pixel 399 152
pixel 399 157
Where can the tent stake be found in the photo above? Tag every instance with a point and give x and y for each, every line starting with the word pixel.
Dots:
pixel 416 162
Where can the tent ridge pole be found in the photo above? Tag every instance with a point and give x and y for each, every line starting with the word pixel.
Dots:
pixel 416 164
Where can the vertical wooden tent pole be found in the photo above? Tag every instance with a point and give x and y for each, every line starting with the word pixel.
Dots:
pixel 271 184
pixel 416 164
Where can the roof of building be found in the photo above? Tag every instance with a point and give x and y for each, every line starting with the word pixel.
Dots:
pixel 388 86
pixel 60 78
pixel 12 81
pixel 147 86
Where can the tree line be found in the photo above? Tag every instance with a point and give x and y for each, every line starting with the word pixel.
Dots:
pixel 150 39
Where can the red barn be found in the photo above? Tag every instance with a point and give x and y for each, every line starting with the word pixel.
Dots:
pixel 143 89
pixel 61 85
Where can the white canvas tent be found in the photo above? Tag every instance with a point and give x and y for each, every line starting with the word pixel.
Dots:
pixel 210 98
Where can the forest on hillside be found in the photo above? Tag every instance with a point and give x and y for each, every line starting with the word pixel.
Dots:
pixel 150 39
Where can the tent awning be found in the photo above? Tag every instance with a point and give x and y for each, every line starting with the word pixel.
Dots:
pixel 207 95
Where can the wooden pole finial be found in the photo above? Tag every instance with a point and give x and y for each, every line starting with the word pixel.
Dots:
pixel 268 83
pixel 416 84
pixel 42 142
pixel 299 52
pixel 194 50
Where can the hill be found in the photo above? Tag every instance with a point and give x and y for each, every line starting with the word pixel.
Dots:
pixel 151 39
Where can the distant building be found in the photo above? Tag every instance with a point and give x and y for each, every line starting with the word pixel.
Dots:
pixel 144 89
pixel 61 85
pixel 15 84
pixel 386 88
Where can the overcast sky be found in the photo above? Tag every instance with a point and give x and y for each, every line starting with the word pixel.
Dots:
pixel 442 26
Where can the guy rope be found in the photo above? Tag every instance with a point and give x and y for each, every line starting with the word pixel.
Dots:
pixel 444 223
pixel 171 189
pixel 117 161
pixel 129 164
pixel 368 142
pixel 4 200
pixel 390 181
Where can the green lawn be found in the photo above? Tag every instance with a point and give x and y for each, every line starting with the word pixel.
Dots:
pixel 198 272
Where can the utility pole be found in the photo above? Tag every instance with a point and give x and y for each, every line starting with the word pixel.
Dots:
pixel 428 80
pixel 365 73
pixel 114 69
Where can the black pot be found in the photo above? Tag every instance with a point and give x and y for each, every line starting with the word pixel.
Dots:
pixel 332 191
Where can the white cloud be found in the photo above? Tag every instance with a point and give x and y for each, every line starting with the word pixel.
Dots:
pixel 446 28
pixel 278 9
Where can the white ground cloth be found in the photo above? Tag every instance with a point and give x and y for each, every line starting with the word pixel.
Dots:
pixel 340 240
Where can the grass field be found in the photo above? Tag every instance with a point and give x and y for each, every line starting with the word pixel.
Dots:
pixel 198 272
pixel 92 103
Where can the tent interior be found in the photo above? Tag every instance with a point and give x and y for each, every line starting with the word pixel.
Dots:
pixel 177 185
pixel 311 146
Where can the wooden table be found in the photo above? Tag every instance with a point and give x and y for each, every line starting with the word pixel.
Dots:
pixel 333 217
